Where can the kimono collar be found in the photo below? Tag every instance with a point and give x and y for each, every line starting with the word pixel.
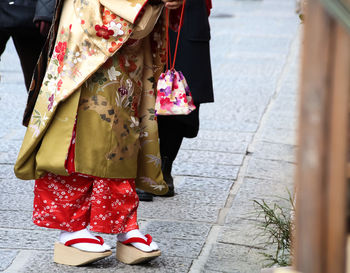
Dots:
pixel 100 28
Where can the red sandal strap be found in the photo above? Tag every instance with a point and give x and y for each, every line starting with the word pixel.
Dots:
pixel 139 240
pixel 85 240
pixel 100 239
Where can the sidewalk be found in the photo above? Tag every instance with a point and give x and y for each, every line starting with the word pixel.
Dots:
pixel 244 151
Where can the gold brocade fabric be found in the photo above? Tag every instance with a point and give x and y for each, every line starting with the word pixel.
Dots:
pixel 102 79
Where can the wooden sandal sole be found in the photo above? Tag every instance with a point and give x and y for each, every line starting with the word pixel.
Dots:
pixel 72 256
pixel 131 255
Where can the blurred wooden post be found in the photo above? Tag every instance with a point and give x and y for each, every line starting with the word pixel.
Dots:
pixel 321 173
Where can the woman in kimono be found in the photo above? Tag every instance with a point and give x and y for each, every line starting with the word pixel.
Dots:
pixel 92 135
pixel 194 62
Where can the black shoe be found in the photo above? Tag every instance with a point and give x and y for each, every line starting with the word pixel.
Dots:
pixel 170 182
pixel 144 196
pixel 166 169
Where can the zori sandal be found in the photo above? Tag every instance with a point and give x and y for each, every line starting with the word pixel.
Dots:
pixel 69 255
pixel 128 254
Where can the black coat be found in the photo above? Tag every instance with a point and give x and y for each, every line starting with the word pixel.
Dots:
pixel 193 56
pixel 22 13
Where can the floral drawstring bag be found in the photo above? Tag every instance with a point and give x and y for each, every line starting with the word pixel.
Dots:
pixel 173 94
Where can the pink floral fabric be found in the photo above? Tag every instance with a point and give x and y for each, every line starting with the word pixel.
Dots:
pixel 173 95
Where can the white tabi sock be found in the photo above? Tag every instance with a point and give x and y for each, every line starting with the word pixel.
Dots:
pixel 84 233
pixel 137 233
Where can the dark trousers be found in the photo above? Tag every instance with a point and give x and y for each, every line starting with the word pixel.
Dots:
pixel 172 130
pixel 28 43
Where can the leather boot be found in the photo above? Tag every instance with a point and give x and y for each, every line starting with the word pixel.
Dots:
pixel 167 165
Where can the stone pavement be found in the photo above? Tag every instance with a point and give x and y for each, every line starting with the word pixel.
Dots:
pixel 244 151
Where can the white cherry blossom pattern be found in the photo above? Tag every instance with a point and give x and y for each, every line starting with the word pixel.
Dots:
pixel 116 27
pixel 73 202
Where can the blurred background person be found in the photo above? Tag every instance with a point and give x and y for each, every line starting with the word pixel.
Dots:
pixel 193 59
pixel 27 22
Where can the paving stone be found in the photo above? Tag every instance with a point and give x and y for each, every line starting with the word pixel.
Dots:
pixel 209 157
pixel 270 169
pixel 287 105
pixel 2 132
pixel 243 88
pixel 12 77
pixel 169 210
pixel 248 84
pixel 259 189
pixel 9 150
pixel 274 45
pixel 241 209
pixel 16 134
pixel 181 248
pixel 187 183
pixel 39 239
pixel 234 259
pixel 215 199
pixel 234 126
pixel 279 135
pixel 246 113
pixel 239 8
pixel 243 232
pixel 244 118
pixel 16 218
pixel 212 271
pixel 280 121
pixel 16 186
pixel 246 209
pixel 215 146
pixel 205 170
pixel 15 89
pixel 225 136
pixel 267 26
pixel 271 191
pixel 11 201
pixel 7 256
pixel 168 230
pixel 263 68
pixel 6 171
pixel 12 98
pixel 8 157
pixel 274 4
pixel 10 57
pixel 275 151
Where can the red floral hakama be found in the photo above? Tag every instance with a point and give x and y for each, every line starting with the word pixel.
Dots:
pixel 73 202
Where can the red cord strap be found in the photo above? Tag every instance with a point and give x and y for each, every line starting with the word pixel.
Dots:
pixel 169 62
pixel 100 241
pixel 139 240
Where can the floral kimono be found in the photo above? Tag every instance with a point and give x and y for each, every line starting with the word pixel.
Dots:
pixel 100 85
